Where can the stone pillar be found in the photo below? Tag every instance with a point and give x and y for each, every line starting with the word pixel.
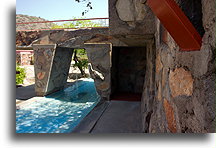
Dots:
pixel 52 64
pixel 148 94
pixel 99 56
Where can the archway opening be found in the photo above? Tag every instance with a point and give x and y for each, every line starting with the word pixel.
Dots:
pixel 128 73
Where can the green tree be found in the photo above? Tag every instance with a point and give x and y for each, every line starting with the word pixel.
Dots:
pixel 81 60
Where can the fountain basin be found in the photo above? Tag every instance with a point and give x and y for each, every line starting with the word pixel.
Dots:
pixel 59 112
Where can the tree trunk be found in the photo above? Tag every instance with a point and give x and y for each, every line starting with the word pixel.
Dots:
pixel 76 62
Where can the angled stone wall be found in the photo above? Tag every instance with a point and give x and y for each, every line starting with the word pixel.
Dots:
pixel 99 55
pixel 51 68
pixel 60 69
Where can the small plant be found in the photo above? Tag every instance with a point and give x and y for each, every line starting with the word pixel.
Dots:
pixel 20 75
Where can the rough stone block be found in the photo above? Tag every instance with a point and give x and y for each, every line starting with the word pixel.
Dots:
pixel 170 116
pixel 181 82
pixel 99 55
pixel 159 64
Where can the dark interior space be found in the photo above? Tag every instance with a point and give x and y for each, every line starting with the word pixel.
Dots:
pixel 128 73
pixel 193 10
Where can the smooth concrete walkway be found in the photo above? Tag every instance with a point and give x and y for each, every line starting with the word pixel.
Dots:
pixel 120 117
pixel 112 117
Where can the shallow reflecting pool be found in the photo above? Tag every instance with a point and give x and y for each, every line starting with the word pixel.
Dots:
pixel 59 112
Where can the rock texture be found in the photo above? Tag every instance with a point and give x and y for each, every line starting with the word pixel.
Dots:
pixel 51 68
pixel 131 11
pixel 180 82
pixel 99 55
pixel 179 93
pixel 25 18
pixel 131 17
pixel 43 57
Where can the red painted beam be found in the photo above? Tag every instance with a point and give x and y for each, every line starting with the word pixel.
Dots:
pixel 177 24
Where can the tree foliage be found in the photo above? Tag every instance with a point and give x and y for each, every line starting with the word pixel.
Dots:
pixel 20 75
pixel 78 24
pixel 88 5
pixel 81 60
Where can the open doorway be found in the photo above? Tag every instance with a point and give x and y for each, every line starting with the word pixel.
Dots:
pixel 128 73
pixel 79 65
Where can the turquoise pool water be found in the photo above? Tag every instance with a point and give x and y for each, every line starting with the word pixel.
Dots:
pixel 59 112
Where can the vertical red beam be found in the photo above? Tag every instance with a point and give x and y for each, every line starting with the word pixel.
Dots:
pixel 177 24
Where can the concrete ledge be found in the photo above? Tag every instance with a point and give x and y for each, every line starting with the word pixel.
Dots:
pixel 88 123
pixel 24 93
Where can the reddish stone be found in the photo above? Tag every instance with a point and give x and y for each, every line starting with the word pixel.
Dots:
pixel 41 75
pixel 170 116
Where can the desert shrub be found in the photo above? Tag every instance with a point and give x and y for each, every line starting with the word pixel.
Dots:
pixel 20 75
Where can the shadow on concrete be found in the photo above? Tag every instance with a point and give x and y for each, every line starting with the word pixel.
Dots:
pixel 25 93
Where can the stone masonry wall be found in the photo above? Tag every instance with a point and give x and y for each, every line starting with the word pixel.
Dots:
pixel 99 55
pixel 60 69
pixel 179 93
pixel 51 68
pixel 130 17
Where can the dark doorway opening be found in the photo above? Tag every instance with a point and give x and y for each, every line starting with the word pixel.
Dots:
pixel 128 73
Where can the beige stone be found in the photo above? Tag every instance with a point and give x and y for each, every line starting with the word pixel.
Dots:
pixel 125 10
pixel 159 95
pixel 159 65
pixel 131 10
pixel 181 82
pixel 164 78
pixel 103 86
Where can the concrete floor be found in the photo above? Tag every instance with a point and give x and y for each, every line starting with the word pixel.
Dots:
pixel 120 117
pixel 112 117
